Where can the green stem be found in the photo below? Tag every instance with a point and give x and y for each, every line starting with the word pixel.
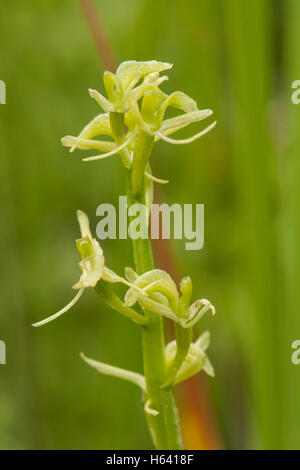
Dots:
pixel 164 427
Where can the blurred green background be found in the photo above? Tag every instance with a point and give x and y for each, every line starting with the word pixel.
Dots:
pixel 238 58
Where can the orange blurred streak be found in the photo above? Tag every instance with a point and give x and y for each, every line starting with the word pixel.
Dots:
pixel 198 420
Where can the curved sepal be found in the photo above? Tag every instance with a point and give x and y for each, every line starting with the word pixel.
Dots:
pixel 113 371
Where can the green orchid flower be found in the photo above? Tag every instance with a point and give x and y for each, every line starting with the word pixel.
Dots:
pixel 156 291
pixel 136 103
pixel 121 91
pixel 93 269
pixel 195 361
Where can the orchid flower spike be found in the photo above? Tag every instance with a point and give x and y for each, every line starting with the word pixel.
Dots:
pixel 92 266
pixel 155 290
pixel 195 361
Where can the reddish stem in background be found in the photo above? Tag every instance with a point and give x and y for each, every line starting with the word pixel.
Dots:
pixel 98 34
pixel 198 422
